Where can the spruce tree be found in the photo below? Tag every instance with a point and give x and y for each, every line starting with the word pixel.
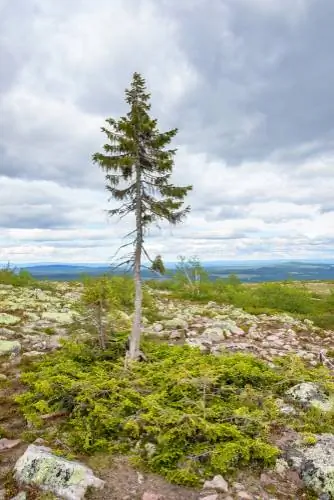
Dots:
pixel 138 165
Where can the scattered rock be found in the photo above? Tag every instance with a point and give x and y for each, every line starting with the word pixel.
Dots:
pixel 3 377
pixel 315 464
pixel 309 394
pixel 151 496
pixel 281 466
pixel 9 319
pixel 243 495
pixel 218 483
pixel 266 479
pixel 21 496
pixel 238 486
pixel 213 334
pixel 175 335
pixel 58 317
pixel 284 408
pixel 8 444
pixel 173 324
pixel 157 327
pixel 9 346
pixel 65 478
pixel 32 354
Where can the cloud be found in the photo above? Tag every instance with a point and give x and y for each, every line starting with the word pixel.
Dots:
pixel 249 84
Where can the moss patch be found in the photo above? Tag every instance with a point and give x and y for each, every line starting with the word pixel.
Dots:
pixel 183 414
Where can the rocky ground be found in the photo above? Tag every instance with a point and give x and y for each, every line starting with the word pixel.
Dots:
pixel 214 328
pixel 33 322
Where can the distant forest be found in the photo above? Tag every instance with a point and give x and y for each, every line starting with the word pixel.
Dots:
pixel 250 273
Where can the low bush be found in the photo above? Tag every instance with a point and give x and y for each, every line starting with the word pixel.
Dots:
pixel 182 413
pixel 267 298
pixel 11 276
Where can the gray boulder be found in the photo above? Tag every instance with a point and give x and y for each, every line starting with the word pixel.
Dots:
pixel 9 347
pixel 218 483
pixel 315 464
pixel 175 323
pixel 21 496
pixel 230 326
pixel 8 319
pixel 213 334
pixel 65 478
pixel 59 317
pixel 309 394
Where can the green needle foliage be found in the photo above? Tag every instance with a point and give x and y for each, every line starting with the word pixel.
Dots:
pixel 158 265
pixel 138 165
pixel 184 414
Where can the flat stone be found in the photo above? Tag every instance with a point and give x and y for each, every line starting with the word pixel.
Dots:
pixel 175 335
pixel 310 394
pixel 9 346
pixel 315 464
pixel 243 495
pixel 281 466
pixel 21 496
pixel 151 496
pixel 210 497
pixel 8 444
pixel 218 483
pixel 58 317
pixel 9 319
pixel 158 327
pixel 197 343
pixel 175 323
pixel 65 478
pixel 213 334
pixel 32 354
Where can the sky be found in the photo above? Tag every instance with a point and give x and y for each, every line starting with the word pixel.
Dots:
pixel 248 83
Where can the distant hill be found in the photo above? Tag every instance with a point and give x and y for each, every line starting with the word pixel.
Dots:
pixel 251 272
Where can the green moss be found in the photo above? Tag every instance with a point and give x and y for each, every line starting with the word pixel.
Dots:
pixel 183 414
pixel 309 439
pixel 49 330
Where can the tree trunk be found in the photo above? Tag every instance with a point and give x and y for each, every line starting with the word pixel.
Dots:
pixel 102 339
pixel 134 350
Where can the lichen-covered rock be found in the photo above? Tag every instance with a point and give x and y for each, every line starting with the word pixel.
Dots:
pixel 315 464
pixel 173 324
pixel 21 496
pixel 65 478
pixel 230 326
pixel 213 334
pixel 58 317
pixel 32 354
pixel 218 483
pixel 309 394
pixel 9 319
pixel 8 347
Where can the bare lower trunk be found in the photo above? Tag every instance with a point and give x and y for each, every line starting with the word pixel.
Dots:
pixel 102 339
pixel 136 326
pixel 134 351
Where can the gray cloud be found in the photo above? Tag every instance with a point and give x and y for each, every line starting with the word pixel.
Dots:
pixel 265 84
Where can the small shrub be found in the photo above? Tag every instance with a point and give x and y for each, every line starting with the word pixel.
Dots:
pixel 263 298
pixel 11 276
